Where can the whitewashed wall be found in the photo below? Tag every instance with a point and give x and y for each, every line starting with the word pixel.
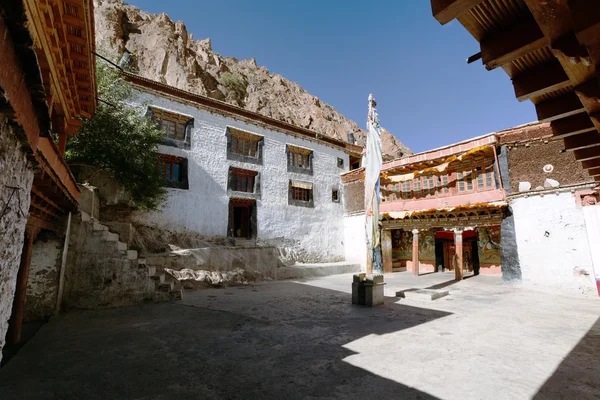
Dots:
pixel 313 234
pixel 592 225
pixel 552 242
pixel 355 240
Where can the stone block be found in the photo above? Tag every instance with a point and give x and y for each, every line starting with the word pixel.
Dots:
pixel 132 254
pixel 85 217
pixel 151 269
pixel 111 237
pixel 374 294
pixel 422 294
pixel 121 246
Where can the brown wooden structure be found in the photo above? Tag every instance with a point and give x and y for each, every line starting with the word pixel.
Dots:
pixel 551 51
pixel 47 74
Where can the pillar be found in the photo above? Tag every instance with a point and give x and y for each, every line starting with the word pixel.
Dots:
pixel 13 336
pixel 386 249
pixel 415 252
pixel 458 244
pixel 62 143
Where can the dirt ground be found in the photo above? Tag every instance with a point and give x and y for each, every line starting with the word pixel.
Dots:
pixel 304 340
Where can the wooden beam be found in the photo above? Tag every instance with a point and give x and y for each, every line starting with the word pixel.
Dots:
pixel 573 125
pixel 595 163
pixel 594 171
pixel 559 107
pixel 446 10
pixel 540 80
pixel 587 154
pixel 568 46
pixel 508 45
pixel 589 91
pixel 582 141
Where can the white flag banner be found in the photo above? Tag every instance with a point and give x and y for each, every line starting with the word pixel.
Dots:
pixel 372 162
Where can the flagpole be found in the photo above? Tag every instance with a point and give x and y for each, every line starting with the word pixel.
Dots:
pixel 372 162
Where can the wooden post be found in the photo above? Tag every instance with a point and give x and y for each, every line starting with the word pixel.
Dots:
pixel 415 252
pixel 13 336
pixel 386 249
pixel 458 244
pixel 62 143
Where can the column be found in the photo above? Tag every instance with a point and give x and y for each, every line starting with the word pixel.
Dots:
pixel 415 252
pixel 13 336
pixel 386 249
pixel 458 244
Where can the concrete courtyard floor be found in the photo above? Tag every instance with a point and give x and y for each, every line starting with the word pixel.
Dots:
pixel 304 340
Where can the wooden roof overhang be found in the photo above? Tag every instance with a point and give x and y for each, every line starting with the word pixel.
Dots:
pixel 63 35
pixel 551 51
pixel 440 164
pixel 224 108
pixel 480 214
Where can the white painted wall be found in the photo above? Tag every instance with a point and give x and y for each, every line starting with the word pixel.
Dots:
pixel 592 225
pixel 355 240
pixel 561 258
pixel 314 234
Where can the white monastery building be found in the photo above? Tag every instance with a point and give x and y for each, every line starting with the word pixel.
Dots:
pixel 236 173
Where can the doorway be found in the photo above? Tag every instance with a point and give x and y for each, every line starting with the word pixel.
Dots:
pixel 445 251
pixel 242 219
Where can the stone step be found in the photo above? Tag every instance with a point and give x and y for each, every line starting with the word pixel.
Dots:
pixel 160 278
pixel 111 237
pixel 99 227
pixel 422 294
pixel 176 294
pixel 166 287
pixel 310 270
pixel 151 268
pixel 85 217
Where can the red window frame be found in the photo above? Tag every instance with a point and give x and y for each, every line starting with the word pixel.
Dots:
pixel 243 180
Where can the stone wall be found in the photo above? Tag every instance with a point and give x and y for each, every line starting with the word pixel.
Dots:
pixel 552 242
pixel 17 173
pixel 42 285
pixel 526 163
pixel 100 271
pixel 354 197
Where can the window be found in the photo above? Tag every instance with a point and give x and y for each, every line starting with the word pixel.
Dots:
pixel 174 125
pixel 465 181
pixel 174 171
pixel 485 177
pixel 340 162
pixel 417 187
pixel 443 185
pixel 429 185
pixel 242 180
pixel 243 146
pixel 299 159
pixel 335 196
pixel 406 190
pixel 300 194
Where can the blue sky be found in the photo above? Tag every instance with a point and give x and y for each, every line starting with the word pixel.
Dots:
pixel 340 51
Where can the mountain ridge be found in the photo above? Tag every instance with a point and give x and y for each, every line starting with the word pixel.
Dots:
pixel 164 51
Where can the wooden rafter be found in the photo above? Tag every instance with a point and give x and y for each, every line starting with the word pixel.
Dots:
pixel 508 45
pixel 559 107
pixel 582 141
pixel 541 80
pixel 446 10
pixel 595 163
pixel 594 171
pixel 587 154
pixel 572 125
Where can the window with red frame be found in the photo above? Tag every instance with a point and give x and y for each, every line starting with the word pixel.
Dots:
pixel 485 177
pixel 242 180
pixel 173 170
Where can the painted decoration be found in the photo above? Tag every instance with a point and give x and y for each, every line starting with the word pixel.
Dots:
pixel 489 245
pixel 426 246
pixel 402 245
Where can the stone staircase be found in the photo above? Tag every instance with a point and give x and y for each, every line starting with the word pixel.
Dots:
pixel 163 287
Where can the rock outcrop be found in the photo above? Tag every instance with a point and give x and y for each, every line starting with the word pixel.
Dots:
pixel 166 52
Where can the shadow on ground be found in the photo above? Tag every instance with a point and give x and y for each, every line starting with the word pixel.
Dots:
pixel 577 376
pixel 279 341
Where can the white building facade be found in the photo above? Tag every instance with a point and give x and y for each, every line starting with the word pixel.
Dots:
pixel 237 174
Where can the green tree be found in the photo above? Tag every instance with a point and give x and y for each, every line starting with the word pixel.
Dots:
pixel 121 141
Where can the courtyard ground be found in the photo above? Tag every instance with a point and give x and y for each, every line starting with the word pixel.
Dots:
pixel 304 340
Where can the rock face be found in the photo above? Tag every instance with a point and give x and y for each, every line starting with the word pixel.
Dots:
pixel 166 52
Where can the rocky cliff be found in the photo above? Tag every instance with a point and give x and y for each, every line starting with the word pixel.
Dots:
pixel 166 52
